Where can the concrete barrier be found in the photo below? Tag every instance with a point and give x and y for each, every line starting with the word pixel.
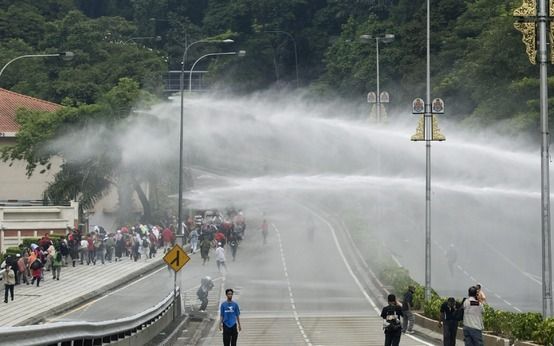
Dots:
pixel 488 339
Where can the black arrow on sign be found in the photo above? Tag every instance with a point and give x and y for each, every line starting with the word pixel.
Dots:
pixel 176 259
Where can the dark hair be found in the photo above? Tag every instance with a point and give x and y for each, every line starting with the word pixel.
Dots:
pixel 472 292
pixel 391 298
pixel 229 290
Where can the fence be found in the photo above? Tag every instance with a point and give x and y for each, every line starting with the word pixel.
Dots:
pixel 134 330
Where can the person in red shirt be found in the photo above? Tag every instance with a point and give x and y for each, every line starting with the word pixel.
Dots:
pixel 167 236
pixel 220 238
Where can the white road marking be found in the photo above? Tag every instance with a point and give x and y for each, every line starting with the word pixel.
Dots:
pixel 291 296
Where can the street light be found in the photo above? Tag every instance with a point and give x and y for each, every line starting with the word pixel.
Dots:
pixel 529 20
pixel 387 38
pixel 63 55
pixel 240 53
pixel 181 89
pixel 157 38
pixel 295 51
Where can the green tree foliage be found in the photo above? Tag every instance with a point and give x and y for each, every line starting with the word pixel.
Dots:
pixel 478 62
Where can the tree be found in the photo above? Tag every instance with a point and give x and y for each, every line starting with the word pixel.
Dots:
pixel 90 164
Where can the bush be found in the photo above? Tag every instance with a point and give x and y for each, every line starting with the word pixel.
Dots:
pixel 432 308
pixel 26 242
pixel 526 324
pixel 545 332
pixel 13 250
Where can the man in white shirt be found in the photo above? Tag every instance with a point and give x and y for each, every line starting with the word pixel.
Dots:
pixel 220 257
pixel 473 319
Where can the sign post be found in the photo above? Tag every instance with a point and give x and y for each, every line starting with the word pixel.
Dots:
pixel 176 258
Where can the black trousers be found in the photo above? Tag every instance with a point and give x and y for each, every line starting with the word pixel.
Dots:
pixel 8 288
pixel 449 330
pixel 393 339
pixel 230 335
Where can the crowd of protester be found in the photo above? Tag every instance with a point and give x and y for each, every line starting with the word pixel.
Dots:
pixel 205 232
pixel 52 253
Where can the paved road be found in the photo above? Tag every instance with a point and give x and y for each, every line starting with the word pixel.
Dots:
pixel 297 291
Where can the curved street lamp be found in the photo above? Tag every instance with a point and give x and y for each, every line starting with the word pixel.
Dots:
pixel 63 55
pixel 181 90
pixel 240 53
pixel 387 38
pixel 295 50
pixel 133 39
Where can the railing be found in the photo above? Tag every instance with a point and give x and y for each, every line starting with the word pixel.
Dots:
pixel 137 329
pixel 32 203
pixel 172 81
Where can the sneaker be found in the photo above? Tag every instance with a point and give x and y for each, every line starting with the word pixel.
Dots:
pixel 410 332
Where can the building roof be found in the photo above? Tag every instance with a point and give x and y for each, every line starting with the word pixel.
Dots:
pixel 10 102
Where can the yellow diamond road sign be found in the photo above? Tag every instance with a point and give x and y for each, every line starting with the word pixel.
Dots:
pixel 176 258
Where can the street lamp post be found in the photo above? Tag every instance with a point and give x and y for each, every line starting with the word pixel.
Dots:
pixel 64 55
pixel 133 39
pixel 181 89
pixel 295 50
pixel 528 22
pixel 428 131
pixel 387 38
pixel 240 53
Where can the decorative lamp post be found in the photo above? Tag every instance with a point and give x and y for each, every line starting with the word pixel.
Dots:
pixel 528 21
pixel 428 131
pixel 379 97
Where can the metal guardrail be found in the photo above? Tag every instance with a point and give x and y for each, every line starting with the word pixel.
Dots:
pixel 90 333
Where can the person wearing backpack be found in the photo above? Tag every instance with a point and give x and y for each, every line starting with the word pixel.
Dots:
pixel 36 271
pixel 392 316
pixel 57 263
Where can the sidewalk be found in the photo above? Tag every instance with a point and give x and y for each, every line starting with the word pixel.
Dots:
pixel 78 284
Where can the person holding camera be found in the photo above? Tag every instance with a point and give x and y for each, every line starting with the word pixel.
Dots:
pixel 473 319
pixel 392 315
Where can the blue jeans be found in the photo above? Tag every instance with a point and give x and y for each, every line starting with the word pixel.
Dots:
pixel 473 337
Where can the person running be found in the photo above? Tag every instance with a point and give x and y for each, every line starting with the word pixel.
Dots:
pixel 194 240
pixel 229 321
pixel 57 263
pixel 205 246
pixel 220 257
pixel 233 244
pixel 265 230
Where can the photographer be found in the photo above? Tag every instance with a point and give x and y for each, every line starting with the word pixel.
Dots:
pixel 392 314
pixel 473 319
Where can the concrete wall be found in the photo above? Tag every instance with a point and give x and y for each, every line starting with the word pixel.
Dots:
pixel 488 339
pixel 22 222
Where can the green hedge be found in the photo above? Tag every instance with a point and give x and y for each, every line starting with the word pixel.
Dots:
pixel 14 250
